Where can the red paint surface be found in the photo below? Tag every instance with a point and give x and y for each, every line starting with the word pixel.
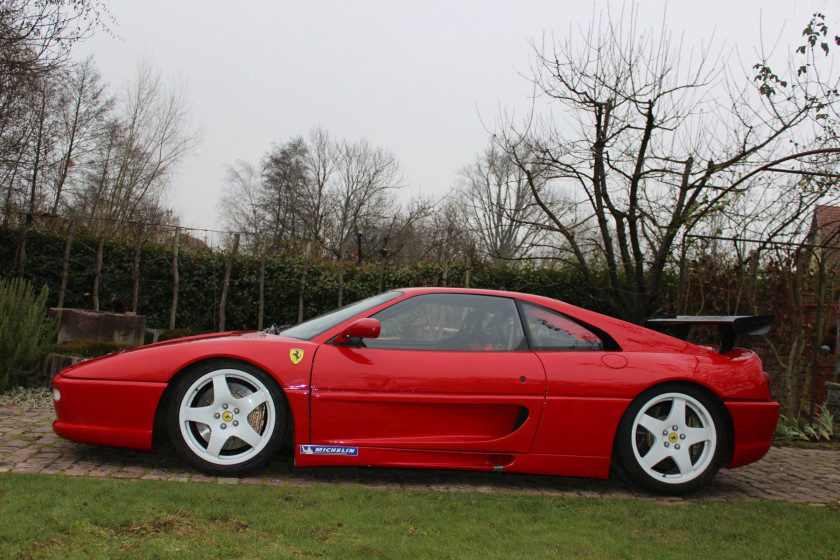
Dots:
pixel 753 424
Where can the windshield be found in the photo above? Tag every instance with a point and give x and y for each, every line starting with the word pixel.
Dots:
pixel 313 327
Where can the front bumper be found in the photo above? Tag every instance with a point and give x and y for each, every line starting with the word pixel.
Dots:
pixel 111 413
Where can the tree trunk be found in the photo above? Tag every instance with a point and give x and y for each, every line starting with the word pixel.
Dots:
pixel 819 331
pixel 226 285
pixel 790 404
pixel 795 358
pixel 7 205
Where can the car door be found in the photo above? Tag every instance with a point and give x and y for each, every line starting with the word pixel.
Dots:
pixel 448 372
pixel 585 373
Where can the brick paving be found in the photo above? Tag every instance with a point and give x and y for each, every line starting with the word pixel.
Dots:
pixel 28 445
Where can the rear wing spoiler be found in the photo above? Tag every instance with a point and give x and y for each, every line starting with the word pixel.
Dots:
pixel 728 326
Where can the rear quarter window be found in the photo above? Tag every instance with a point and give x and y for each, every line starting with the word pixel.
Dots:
pixel 551 330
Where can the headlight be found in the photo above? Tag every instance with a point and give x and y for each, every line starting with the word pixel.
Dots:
pixel 56 395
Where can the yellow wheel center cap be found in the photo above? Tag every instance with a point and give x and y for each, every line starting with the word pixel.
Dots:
pixel 672 438
pixel 227 416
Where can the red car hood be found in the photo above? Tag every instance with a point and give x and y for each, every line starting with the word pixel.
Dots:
pixel 159 362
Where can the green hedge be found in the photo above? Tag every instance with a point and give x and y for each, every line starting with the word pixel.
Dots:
pixel 89 348
pixel 202 275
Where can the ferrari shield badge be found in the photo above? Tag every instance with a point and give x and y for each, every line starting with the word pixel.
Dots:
pixel 296 355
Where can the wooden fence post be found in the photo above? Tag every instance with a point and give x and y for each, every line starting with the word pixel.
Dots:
pixel 384 254
pixel 135 273
pixel 20 257
pixel 467 273
pixel 175 279
pixel 97 272
pixel 307 258
pixel 65 265
pixel 262 288
pixel 226 285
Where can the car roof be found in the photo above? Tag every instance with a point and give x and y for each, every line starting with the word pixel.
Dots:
pixel 547 301
pixel 627 335
pixel 447 290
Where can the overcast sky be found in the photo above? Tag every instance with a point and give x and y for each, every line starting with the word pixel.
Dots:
pixel 422 79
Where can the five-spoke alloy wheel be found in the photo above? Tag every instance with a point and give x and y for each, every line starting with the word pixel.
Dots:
pixel 227 418
pixel 672 439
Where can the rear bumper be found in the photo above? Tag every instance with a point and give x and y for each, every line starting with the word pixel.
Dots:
pixel 753 426
pixel 111 413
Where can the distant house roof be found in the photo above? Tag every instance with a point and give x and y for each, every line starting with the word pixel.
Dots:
pixel 826 232
pixel 190 242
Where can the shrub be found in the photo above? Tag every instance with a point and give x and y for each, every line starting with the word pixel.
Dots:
pixel 170 334
pixel 821 428
pixel 26 331
pixel 27 397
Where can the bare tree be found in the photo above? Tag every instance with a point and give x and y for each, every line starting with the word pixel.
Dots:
pixel 240 205
pixel 83 105
pixel 39 144
pixel 285 180
pixel 145 141
pixel 499 207
pixel 320 165
pixel 397 232
pixel 36 37
pixel 35 43
pixel 653 148
pixel 446 238
pixel 364 176
pixel 398 237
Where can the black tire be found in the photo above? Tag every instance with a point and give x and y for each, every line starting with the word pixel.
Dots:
pixel 229 435
pixel 673 439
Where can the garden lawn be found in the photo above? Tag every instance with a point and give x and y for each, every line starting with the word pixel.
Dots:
pixel 67 517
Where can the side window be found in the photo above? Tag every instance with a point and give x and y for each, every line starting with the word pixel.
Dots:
pixel 551 330
pixel 451 322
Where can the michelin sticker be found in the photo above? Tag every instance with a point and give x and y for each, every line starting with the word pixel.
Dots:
pixel 327 450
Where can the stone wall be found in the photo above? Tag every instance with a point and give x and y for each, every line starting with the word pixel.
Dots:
pixel 80 324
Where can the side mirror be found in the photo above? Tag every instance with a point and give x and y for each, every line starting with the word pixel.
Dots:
pixel 360 328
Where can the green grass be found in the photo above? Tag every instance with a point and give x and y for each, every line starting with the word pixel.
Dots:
pixel 65 517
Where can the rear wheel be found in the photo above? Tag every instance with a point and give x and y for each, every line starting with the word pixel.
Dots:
pixel 227 418
pixel 673 440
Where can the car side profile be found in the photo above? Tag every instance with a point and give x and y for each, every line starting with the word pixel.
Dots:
pixel 437 378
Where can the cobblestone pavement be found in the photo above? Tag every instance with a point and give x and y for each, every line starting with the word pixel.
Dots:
pixel 28 445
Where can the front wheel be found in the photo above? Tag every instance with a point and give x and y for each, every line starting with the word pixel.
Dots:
pixel 673 440
pixel 227 418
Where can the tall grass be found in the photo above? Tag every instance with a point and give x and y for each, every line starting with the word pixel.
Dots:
pixel 26 331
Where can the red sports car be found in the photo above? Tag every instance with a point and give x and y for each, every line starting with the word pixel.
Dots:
pixel 439 378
